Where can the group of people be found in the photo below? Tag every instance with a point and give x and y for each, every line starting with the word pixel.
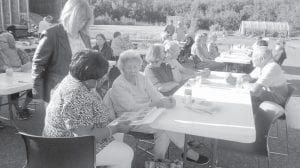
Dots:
pixel 66 73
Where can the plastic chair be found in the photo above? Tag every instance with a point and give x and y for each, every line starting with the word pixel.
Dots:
pixel 267 105
pixel 263 123
pixel 44 152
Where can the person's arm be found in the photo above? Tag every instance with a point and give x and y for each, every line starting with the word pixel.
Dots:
pixel 40 61
pixel 157 98
pixel 161 86
pixel 122 97
pixel 186 73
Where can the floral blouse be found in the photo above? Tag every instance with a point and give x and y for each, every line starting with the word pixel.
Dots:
pixel 72 105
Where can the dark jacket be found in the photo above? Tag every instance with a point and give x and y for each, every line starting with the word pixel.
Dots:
pixel 51 60
pixel 106 51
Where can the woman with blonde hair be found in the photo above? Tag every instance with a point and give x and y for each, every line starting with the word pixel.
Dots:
pixel 57 45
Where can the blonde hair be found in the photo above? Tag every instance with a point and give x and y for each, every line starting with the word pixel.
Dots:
pixel 155 52
pixel 126 56
pixel 71 13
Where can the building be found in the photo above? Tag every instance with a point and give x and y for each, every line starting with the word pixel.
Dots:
pixel 13 12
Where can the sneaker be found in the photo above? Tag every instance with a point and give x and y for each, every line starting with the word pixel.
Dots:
pixel 24 114
pixel 201 159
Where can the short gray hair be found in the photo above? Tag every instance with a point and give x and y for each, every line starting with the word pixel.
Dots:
pixel 262 54
pixel 155 52
pixel 126 56
pixel 71 13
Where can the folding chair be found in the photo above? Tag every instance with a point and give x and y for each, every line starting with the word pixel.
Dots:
pixel 75 152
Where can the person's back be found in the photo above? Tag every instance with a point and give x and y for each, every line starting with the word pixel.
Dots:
pixel 9 54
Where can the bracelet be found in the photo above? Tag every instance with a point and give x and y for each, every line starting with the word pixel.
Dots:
pixel 110 131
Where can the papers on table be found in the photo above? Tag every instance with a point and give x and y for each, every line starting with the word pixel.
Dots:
pixel 143 116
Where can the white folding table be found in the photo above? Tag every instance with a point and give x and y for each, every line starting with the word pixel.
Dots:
pixel 18 82
pixel 233 120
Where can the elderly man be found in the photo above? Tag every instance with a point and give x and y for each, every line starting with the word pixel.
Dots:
pixel 270 83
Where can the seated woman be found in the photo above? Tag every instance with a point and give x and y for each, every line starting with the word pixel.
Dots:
pixel 73 110
pixel 180 73
pixel 270 83
pixel 279 52
pixel 159 73
pixel 103 47
pixel 132 91
pixel 185 53
pixel 17 60
pixel 201 56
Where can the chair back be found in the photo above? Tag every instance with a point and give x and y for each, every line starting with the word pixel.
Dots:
pixel 291 90
pixel 74 152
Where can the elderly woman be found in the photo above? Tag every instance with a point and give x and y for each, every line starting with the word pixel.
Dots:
pixel 213 49
pixel 57 45
pixel 74 111
pixel 159 73
pixel 132 91
pixel 270 83
pixel 17 60
pixel 201 56
pixel 103 47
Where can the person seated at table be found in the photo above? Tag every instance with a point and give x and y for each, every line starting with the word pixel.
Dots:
pixel 159 73
pixel 73 110
pixel 279 52
pixel 127 42
pixel 16 60
pixel 117 45
pixel 180 73
pixel 132 91
pixel 185 53
pixel 201 56
pixel 180 31
pixel 268 77
pixel 213 49
pixel 103 47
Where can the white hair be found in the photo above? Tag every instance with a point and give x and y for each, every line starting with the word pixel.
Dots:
pixel 126 56
pixel 71 13
pixel 261 54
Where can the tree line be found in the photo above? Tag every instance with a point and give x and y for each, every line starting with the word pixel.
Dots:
pixel 226 14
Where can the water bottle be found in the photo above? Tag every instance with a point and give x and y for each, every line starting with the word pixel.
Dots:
pixel 188 94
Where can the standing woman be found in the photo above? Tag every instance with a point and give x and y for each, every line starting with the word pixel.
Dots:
pixel 103 47
pixel 57 45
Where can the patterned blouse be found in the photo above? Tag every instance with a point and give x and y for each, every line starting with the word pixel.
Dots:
pixel 72 105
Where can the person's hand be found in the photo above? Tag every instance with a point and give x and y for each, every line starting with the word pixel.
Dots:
pixel 245 78
pixel 168 102
pixel 123 127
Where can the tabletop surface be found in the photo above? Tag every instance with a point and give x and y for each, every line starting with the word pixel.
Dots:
pixel 231 119
pixel 19 81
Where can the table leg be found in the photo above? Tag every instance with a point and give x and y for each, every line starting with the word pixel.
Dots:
pixel 10 110
pixel 215 154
